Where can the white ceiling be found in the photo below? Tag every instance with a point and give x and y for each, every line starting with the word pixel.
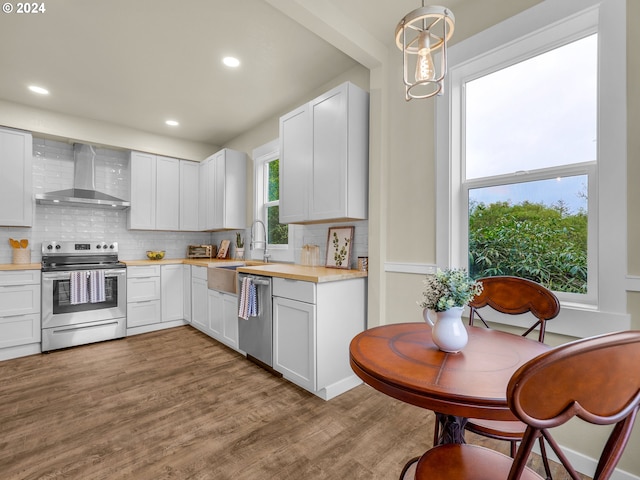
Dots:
pixel 137 63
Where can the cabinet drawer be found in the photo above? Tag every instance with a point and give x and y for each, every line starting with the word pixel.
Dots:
pixel 143 289
pixel 19 300
pixel 143 271
pixel 19 330
pixel 199 272
pixel 294 289
pixel 20 277
pixel 143 313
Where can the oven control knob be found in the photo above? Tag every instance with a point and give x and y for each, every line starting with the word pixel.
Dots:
pixel 49 247
pixel 112 246
pixel 58 247
pixel 99 246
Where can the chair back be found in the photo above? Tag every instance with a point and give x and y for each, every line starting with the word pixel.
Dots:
pixel 595 379
pixel 515 296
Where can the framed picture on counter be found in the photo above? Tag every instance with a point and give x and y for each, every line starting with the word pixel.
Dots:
pixel 339 242
pixel 223 251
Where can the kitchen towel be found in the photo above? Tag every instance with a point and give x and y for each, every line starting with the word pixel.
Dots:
pixel 78 287
pixel 243 309
pixel 253 300
pixel 96 286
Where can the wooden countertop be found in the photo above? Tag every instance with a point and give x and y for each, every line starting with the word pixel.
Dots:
pixel 20 266
pixel 303 272
pixel 281 270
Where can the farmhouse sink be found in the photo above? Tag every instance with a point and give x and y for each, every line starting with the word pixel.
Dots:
pixel 224 278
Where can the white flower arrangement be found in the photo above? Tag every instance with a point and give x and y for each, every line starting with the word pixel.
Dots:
pixel 449 288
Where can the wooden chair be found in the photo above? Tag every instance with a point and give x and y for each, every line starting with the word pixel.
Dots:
pixel 513 296
pixel 595 379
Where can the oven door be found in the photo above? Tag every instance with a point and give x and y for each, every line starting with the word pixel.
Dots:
pixel 57 309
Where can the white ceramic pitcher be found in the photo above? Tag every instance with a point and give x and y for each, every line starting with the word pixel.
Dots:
pixel 448 331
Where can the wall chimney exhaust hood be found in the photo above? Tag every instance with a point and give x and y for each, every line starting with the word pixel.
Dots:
pixel 84 193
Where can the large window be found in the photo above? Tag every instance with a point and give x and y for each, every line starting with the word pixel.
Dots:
pixel 529 155
pixel 277 233
pixel 531 159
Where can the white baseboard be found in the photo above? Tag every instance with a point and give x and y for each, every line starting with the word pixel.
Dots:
pixel 154 327
pixel 584 464
pixel 20 351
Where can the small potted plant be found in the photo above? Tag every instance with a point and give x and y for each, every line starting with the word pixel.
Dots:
pixel 446 293
pixel 239 246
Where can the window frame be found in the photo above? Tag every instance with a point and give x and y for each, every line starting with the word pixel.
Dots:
pixel 261 158
pixel 541 28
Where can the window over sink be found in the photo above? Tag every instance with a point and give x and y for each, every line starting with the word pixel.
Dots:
pixel 267 208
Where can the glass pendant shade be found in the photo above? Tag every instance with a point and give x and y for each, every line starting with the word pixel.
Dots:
pixel 419 35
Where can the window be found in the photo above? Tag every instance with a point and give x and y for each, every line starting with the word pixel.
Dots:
pixel 530 147
pixel 277 233
pixel 529 156
pixel 267 195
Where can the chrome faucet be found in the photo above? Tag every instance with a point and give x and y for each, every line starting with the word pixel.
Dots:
pixel 266 254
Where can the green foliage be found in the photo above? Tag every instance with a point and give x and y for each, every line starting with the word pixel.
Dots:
pixel 449 288
pixel 529 240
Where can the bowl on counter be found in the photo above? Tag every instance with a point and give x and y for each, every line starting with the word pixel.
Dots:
pixel 155 254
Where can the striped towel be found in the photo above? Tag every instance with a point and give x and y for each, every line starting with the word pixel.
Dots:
pixel 253 301
pixel 96 286
pixel 243 308
pixel 78 287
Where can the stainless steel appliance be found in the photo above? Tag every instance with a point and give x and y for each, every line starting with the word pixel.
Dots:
pixel 68 322
pixel 255 334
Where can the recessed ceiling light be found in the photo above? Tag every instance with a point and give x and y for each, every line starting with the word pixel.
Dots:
pixel 40 90
pixel 172 123
pixel 231 62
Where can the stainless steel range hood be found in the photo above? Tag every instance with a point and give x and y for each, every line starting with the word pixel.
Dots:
pixel 84 193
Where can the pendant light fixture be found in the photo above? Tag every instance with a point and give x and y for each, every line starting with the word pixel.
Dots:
pixel 419 35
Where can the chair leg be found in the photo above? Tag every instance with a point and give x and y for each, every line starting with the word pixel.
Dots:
pixel 513 449
pixel 545 460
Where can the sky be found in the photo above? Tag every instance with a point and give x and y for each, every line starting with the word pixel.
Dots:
pixel 524 118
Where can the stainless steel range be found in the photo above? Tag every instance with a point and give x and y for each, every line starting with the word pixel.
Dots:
pixel 84 294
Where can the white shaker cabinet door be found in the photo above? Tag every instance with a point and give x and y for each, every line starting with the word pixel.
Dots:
pixel 172 292
pixel 167 194
pixel 142 213
pixel 16 198
pixel 295 165
pixel 189 184
pixel 199 303
pixel 294 341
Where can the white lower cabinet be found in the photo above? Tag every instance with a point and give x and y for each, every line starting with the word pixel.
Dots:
pixel 199 300
pixel 223 318
pixel 20 330
pixel 155 297
pixel 313 325
pixel 295 341
pixel 172 292
pixel 212 312
pixel 186 297
pixel 143 295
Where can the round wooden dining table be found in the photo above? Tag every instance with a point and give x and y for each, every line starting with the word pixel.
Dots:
pixel 401 360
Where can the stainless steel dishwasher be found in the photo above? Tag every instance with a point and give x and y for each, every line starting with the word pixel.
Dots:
pixel 255 335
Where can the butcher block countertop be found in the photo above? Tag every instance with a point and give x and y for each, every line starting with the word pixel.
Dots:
pixel 303 272
pixel 20 266
pixel 281 270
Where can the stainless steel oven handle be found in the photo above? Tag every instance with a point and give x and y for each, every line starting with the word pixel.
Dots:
pixel 65 275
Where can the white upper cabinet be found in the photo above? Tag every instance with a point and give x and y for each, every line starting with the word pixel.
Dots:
pixel 163 193
pixel 189 173
pixel 296 147
pixel 16 190
pixel 324 158
pixel 223 191
pixel 167 194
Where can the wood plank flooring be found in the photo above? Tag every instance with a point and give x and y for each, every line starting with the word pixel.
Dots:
pixel 176 404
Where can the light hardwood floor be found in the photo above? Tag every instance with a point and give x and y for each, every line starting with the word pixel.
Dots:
pixel 176 404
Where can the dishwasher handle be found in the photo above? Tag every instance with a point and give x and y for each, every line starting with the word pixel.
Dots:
pixel 265 283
